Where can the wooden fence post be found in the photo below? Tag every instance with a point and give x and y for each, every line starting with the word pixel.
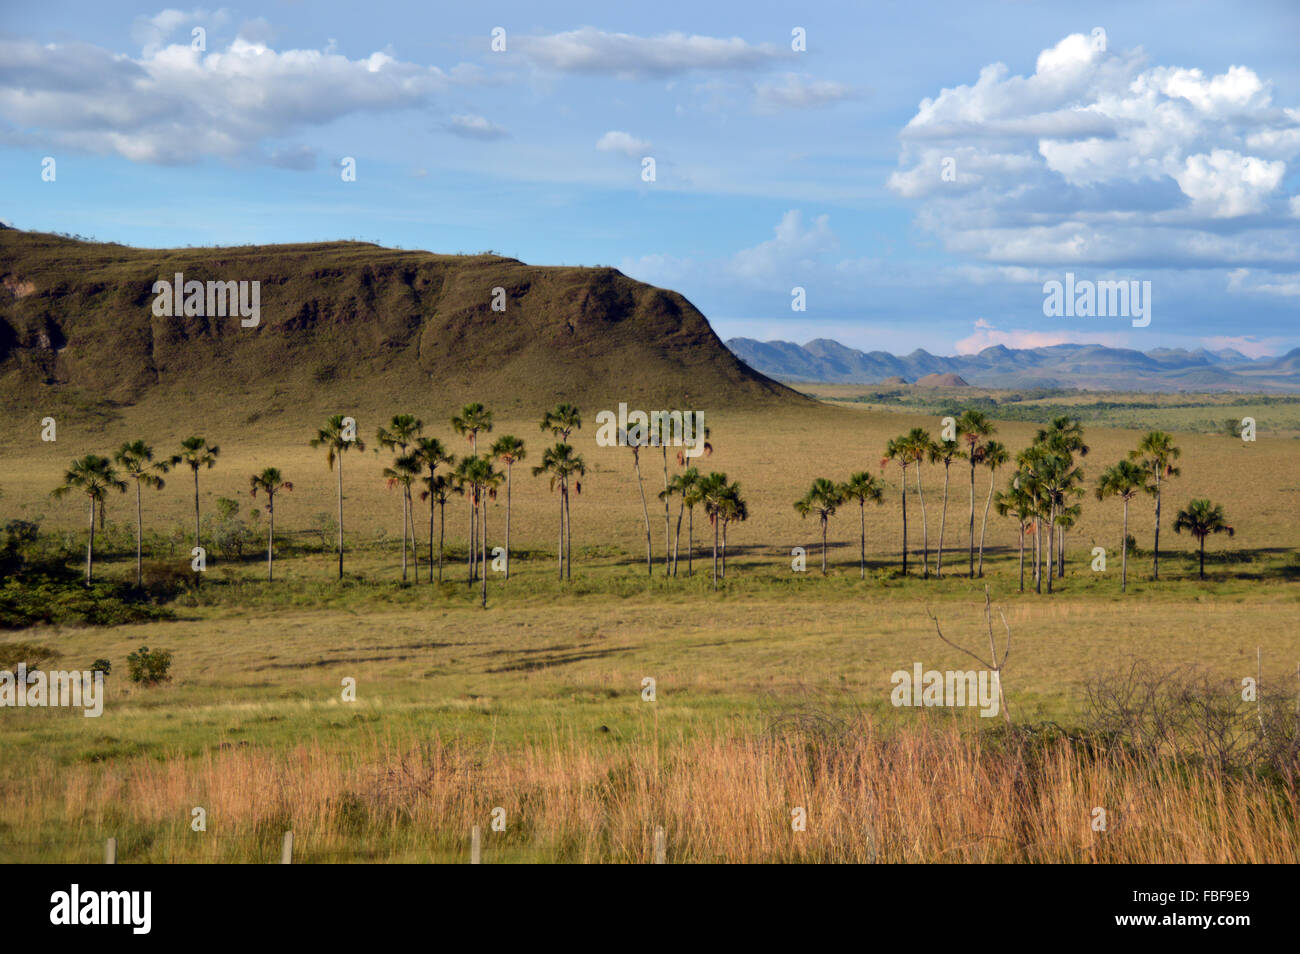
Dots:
pixel 475 849
pixel 286 849
pixel 110 851
pixel 661 846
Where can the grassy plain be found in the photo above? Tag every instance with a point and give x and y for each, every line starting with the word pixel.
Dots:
pixel 535 705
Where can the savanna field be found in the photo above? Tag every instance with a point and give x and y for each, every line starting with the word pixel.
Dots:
pixel 772 693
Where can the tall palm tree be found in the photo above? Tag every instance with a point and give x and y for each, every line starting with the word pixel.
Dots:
pixel 438 487
pixel 713 491
pixel 944 452
pixel 136 460
pixel 334 438
pixel 472 419
pixel 404 473
pixel 974 429
pixel 822 499
pixel 564 467
pixel 509 450
pixel 403 431
pixel 1019 503
pixel 635 446
pixel 1026 481
pixel 198 453
pixel 994 455
pixel 1202 518
pixel 731 509
pixel 899 451
pixel 668 491
pixel 692 497
pixel 430 453
pixel 1125 480
pixel 562 421
pixel 863 487
pixel 93 476
pixel 921 445
pixel 679 486
pixel 481 480
pixel 270 483
pixel 1156 453
pixel 1064 436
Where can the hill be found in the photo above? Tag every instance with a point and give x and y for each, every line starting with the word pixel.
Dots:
pixel 1093 367
pixel 948 380
pixel 346 324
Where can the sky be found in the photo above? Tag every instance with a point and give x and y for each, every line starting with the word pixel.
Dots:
pixel 910 173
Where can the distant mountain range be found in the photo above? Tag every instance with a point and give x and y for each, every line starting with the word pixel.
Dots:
pixel 1093 367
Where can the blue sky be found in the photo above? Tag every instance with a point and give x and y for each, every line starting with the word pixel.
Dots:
pixel 1164 149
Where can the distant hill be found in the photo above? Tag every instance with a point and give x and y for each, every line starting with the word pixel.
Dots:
pixel 949 380
pixel 348 323
pixel 1059 366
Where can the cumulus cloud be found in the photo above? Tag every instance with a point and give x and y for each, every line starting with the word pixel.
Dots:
pixel 592 51
pixel 470 126
pixel 1100 158
pixel 175 104
pixel 626 143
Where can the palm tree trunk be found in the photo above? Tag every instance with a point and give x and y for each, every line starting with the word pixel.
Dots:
pixel 340 482
pixel 636 463
pixel 824 522
pixel 925 528
pixel 1202 558
pixel 985 524
pixel 442 530
pixel 415 547
pixel 715 551
pixel 943 520
pixel 559 553
pixel 568 533
pixel 509 473
pixel 862 556
pixel 690 542
pixel 90 546
pixel 404 523
pixel 484 551
pixel 473 538
pixel 431 505
pixel 196 507
pixel 1038 554
pixel 1123 549
pixel 972 517
pixel 904 521
pixel 677 538
pixel 270 538
pixel 667 517
pixel 1155 555
pixel 139 532
pixel 1060 557
pixel 1051 543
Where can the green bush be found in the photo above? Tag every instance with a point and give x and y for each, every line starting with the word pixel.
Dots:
pixel 149 667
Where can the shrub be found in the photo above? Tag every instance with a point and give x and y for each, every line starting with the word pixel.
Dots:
pixel 102 665
pixel 149 667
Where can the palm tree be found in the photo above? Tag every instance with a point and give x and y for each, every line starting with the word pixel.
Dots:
pixel 668 491
pixel 481 480
pixel 509 450
pixel 713 491
pixel 93 476
pixel 136 459
pixel 430 453
pixel 335 438
pixel 636 445
pixel 404 473
pixel 692 497
pixel 1019 503
pixel 196 452
pixel 1026 481
pixel 1202 518
pixel 1064 435
pixel 974 428
pixel 920 445
pixel 1156 453
pixel 731 509
pixel 401 432
pixel 472 419
pixel 1125 480
pixel 270 483
pixel 562 421
pixel 563 465
pixel 863 487
pixel 679 486
pixel 994 455
pixel 1056 477
pixel 944 452
pixel 822 499
pixel 438 487
pixel 898 450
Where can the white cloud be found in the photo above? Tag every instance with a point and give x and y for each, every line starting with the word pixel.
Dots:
pixel 474 127
pixel 627 144
pixel 1249 345
pixel 1098 157
pixel 176 104
pixel 799 91
pixel 986 335
pixel 589 50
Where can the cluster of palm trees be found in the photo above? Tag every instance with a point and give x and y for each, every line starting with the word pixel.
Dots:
pixel 1042 494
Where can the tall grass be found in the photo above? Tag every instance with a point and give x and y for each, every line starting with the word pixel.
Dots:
pixel 928 793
